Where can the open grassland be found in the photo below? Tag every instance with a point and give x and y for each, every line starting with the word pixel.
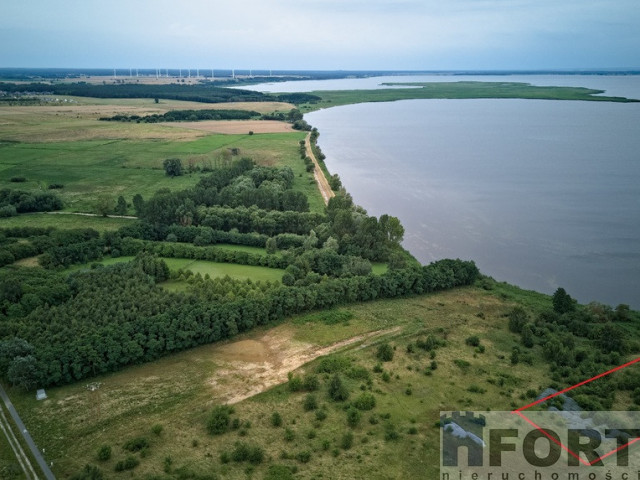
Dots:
pixel 205 267
pixel 91 168
pixel 78 119
pixel 396 439
pixel 64 221
pixel 458 90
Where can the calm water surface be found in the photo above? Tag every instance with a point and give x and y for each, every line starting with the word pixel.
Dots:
pixel 539 193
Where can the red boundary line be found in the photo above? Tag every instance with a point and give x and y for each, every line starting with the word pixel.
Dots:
pixel 518 412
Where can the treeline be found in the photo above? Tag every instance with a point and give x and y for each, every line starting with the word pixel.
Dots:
pixel 580 342
pixel 202 92
pixel 13 202
pixel 117 316
pixel 185 116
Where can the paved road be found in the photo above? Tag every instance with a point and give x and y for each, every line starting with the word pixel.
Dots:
pixel 27 438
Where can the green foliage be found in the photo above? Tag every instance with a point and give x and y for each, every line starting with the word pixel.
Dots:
pixel 353 417
pixel 384 352
pixel 128 463
pixel 461 364
pixel 333 364
pixel 243 452
pixel 136 444
pixel 337 390
pixel 303 456
pixel 365 401
pixel 289 435
pixel 517 319
pixel 104 453
pixel 276 419
pixel 219 419
pixel 172 167
pixel 346 442
pixel 473 341
pixel 310 402
pixel 89 472
pixel 562 301
pixel 157 429
pixel 279 472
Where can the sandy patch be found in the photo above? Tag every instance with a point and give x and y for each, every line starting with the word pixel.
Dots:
pixel 235 126
pixel 248 367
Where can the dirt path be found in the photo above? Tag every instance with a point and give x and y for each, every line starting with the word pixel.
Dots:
pixel 321 180
pixel 249 367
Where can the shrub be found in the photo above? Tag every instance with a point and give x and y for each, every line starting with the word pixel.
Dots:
pixel 128 463
pixel 289 435
pixel 333 364
pixel 8 211
pixel 55 186
pixel 337 390
pixel 365 401
pixel 303 456
pixel 462 364
pixel 276 419
pixel 390 432
pixel 243 452
pixel 353 416
pixel 346 442
pixel 473 341
pixel 310 402
pixel 377 368
pixel 136 444
pixel 278 472
pixel 433 365
pixel 89 472
pixel 104 453
pixel 321 414
pixel 157 429
pixel 386 377
pixel 219 419
pixel 310 383
pixel 18 179
pixel 476 389
pixel 385 352
pixel 295 383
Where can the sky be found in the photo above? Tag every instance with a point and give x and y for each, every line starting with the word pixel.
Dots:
pixel 322 34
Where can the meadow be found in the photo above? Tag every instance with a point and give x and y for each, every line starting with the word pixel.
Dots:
pixel 456 90
pixel 167 402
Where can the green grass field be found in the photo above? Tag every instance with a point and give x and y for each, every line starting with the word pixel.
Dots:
pixel 88 169
pixel 457 90
pixel 44 220
pixel 204 267
pixel 178 392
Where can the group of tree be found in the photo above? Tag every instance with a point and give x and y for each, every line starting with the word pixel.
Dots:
pixel 579 342
pixel 13 202
pixel 100 320
pixel 185 116
pixel 201 92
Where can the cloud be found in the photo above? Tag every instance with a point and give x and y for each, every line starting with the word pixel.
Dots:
pixel 323 33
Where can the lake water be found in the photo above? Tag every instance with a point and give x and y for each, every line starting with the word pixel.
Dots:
pixel 539 193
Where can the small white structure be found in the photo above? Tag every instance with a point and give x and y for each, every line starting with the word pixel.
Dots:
pixel 41 394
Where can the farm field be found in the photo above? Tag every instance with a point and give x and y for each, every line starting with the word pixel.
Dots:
pixel 179 391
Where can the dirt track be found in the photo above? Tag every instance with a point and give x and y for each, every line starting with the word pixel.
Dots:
pixel 318 174
pixel 248 367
